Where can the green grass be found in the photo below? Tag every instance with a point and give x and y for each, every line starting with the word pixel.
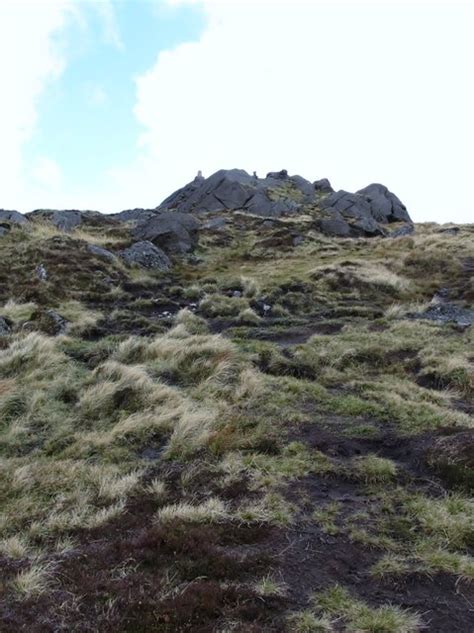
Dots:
pixel 224 437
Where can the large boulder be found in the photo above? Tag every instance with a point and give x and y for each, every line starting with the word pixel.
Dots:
pixel 384 205
pixel 352 209
pixel 172 231
pixel 12 217
pixel 323 186
pixel 278 194
pixel 101 252
pixel 146 255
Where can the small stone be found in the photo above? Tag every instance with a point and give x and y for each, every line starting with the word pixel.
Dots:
pixel 4 327
pixel 41 272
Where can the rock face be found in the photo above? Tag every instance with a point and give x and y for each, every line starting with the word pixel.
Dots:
pixel 174 232
pixel 146 255
pixel 134 215
pixel 384 205
pixel 174 225
pixel 343 214
pixel 12 217
pixel 232 189
pixel 69 219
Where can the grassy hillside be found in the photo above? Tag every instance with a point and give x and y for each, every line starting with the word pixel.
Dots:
pixel 274 436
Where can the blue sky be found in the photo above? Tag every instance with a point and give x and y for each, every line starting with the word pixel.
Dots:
pixel 85 120
pixel 114 104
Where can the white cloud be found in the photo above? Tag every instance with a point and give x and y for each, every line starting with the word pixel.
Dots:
pixel 355 92
pixel 111 30
pixel 47 173
pixel 29 60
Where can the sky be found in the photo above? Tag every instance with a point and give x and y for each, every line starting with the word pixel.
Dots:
pixel 114 104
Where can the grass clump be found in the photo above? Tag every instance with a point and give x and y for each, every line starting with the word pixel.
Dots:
pixel 337 602
pixel 373 469
pixel 209 511
pixel 33 581
pixel 308 622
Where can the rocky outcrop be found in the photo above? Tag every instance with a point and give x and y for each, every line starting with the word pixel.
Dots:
pixel 134 215
pixel 146 255
pixel 174 225
pixel 383 204
pixel 342 213
pixel 12 217
pixel 174 232
pixel 323 186
pixel 68 219
pixel 232 189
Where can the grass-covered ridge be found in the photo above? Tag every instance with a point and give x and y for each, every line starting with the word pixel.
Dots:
pixel 265 438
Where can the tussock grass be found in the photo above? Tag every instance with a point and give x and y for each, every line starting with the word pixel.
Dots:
pixel 33 581
pixel 79 318
pixel 374 469
pixel 18 312
pixel 14 547
pixel 32 353
pixel 209 511
pixel 337 602
pixel 362 274
pixel 308 622
pixel 270 586
pixel 220 306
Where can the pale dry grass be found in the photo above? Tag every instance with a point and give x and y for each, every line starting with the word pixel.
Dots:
pixel 209 511
pixel 33 581
pixel 18 311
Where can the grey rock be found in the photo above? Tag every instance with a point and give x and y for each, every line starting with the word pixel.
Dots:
pixel 68 219
pixel 451 230
pixel 384 205
pixel 146 255
pixel 406 229
pixel 3 231
pixel 278 175
pixel 57 323
pixel 4 327
pixel 370 207
pixel 323 186
pixel 235 189
pixel 335 226
pixel 13 217
pixel 63 220
pixel 260 204
pixel 134 215
pixel 446 313
pixel 215 223
pixel 172 231
pixel 297 240
pixel 41 272
pixel 303 186
pixel 98 251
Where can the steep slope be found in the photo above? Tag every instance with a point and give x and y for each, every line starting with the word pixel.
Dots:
pixel 269 430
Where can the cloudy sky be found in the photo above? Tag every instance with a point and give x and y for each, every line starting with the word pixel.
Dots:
pixel 113 104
